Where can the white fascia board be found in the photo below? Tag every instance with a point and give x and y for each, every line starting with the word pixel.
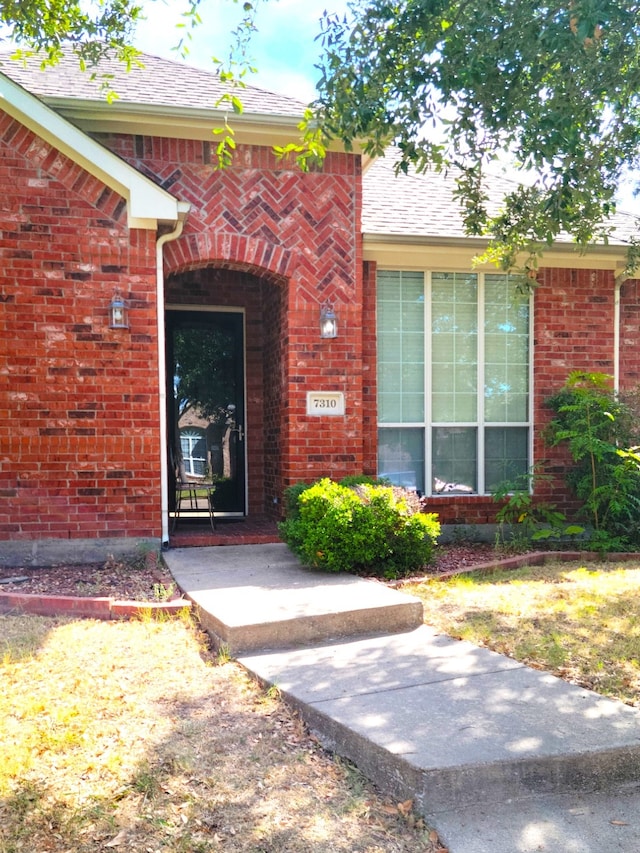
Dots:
pixel 267 129
pixel 147 203
pixel 398 251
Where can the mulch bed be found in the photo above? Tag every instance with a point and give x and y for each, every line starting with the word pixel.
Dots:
pixel 142 581
pixel 145 581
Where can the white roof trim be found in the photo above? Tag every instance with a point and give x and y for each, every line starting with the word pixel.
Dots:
pixel 398 251
pixel 147 203
pixel 266 129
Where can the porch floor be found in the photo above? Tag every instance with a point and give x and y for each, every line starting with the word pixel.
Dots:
pixel 252 530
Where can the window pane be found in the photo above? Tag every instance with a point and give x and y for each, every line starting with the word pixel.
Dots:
pixel 455 374
pixel 401 456
pixel 400 347
pixel 506 373
pixel 506 455
pixel 454 346
pixel 455 460
pixel 389 408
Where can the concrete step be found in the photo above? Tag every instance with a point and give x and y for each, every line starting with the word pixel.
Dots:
pixel 253 598
pixel 461 730
pixel 498 757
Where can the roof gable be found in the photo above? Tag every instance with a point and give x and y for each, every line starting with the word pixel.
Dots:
pixel 147 203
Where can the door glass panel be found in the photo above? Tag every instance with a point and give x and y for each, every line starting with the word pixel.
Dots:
pixel 206 405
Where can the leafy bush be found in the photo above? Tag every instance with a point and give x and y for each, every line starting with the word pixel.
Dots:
pixel 600 429
pixel 365 530
pixel 292 493
pixel 363 479
pixel 291 497
pixel 527 519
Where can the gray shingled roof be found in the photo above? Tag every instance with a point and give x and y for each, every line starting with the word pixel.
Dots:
pixel 413 205
pixel 162 82
pixel 422 205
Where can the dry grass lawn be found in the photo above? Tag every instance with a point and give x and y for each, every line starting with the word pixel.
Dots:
pixel 581 623
pixel 133 736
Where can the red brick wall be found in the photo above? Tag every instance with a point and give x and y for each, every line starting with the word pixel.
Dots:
pixel 79 450
pixel 300 235
pixel 573 330
pixel 79 420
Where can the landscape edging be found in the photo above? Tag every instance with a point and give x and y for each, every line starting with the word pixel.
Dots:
pixel 86 607
pixel 531 558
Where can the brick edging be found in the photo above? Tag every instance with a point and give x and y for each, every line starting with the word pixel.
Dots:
pixel 532 558
pixel 93 608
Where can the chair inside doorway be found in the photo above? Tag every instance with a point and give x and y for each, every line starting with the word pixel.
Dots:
pixel 193 496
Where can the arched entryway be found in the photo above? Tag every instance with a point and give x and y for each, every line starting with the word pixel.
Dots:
pixel 226 385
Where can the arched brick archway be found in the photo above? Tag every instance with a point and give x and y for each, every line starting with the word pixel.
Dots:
pixel 251 255
pixel 261 296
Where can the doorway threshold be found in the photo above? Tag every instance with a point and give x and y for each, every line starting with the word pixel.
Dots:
pixel 254 530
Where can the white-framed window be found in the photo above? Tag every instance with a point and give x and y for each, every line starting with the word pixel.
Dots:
pixel 193 444
pixel 454 380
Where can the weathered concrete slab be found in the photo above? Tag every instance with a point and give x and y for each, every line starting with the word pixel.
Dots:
pixel 254 597
pixel 452 725
pixel 561 823
pixel 499 758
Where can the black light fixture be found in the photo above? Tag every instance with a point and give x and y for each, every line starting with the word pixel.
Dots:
pixel 328 322
pixel 118 312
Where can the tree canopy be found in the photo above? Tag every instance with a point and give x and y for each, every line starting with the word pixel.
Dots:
pixel 454 83
pixel 93 28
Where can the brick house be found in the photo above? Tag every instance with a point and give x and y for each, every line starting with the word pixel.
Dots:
pixel 224 368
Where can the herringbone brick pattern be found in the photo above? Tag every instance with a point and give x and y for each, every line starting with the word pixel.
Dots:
pixel 261 215
pixel 299 234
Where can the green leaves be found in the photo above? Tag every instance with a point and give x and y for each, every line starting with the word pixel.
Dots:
pixel 93 29
pixel 464 84
pixel 365 529
pixel 601 432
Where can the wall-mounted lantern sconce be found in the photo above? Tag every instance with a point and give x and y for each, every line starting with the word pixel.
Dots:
pixel 328 322
pixel 118 312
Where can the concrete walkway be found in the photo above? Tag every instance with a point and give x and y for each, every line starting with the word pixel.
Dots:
pixel 498 757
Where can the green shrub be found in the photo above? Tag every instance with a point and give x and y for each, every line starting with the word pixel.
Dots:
pixel 365 530
pixel 600 429
pixel 524 519
pixel 291 496
pixel 363 479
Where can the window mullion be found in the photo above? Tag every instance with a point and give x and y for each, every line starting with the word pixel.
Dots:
pixel 481 386
pixel 428 384
pixel 531 381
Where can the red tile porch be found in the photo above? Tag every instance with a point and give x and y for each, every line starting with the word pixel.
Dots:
pixel 255 530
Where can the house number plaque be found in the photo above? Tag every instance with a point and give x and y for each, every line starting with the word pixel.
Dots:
pixel 325 403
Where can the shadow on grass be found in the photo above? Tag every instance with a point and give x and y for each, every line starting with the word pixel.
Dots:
pixel 126 735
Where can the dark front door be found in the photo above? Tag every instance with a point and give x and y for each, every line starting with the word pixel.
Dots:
pixel 205 371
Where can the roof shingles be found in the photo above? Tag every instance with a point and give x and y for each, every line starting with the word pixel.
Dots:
pixel 423 205
pixel 161 82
